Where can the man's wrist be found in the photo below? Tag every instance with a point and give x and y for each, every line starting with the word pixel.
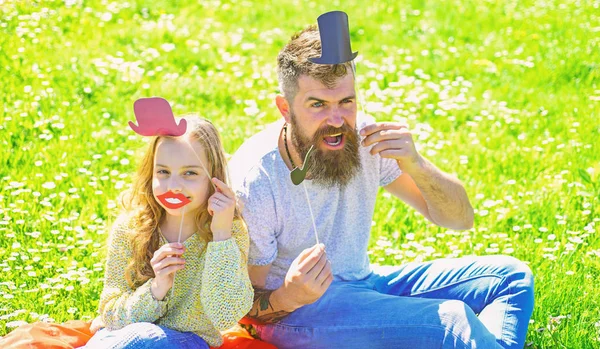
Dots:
pixel 415 167
pixel 282 301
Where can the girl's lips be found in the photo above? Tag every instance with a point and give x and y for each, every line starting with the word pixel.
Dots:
pixel 173 201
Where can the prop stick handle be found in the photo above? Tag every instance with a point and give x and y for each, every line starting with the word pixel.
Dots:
pixel 361 101
pixel 181 224
pixel 311 212
pixel 179 241
pixel 202 164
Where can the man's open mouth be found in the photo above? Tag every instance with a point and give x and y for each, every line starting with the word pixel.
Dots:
pixel 334 141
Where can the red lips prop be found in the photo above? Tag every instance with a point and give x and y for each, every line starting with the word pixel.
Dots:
pixel 173 201
pixel 155 118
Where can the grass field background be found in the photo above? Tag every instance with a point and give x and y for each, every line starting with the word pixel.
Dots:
pixel 504 94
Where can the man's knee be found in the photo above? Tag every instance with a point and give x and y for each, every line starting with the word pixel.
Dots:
pixel 520 281
pixel 455 314
pixel 456 317
pixel 507 267
pixel 462 327
pixel 518 273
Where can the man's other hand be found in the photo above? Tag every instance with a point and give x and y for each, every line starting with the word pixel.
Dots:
pixel 309 276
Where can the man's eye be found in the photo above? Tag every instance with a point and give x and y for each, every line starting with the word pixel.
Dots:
pixel 317 104
pixel 345 101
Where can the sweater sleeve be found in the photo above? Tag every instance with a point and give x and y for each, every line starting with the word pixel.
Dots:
pixel 119 304
pixel 226 292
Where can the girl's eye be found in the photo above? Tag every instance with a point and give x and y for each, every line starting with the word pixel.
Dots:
pixel 162 172
pixel 190 173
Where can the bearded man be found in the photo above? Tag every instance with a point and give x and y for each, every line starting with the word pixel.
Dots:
pixel 327 295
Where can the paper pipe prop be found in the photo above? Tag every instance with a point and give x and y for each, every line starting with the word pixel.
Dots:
pixel 298 174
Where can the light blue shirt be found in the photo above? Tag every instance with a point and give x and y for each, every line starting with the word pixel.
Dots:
pixel 277 212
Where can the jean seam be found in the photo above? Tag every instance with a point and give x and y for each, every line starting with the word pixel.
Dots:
pixel 506 311
pixel 456 283
pixel 444 328
pixel 183 339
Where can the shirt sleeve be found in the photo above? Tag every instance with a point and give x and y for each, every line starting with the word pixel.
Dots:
pixel 226 291
pixel 260 215
pixel 389 171
pixel 119 304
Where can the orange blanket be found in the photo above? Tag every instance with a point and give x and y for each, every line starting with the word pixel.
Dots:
pixel 76 333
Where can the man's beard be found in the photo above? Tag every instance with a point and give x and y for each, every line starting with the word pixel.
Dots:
pixel 329 167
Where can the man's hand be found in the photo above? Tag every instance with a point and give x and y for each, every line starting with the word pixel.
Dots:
pixel 392 140
pixel 308 278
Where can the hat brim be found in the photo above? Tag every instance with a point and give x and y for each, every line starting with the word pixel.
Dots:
pixel 334 60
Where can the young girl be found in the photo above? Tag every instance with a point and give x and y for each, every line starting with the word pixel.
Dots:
pixel 161 293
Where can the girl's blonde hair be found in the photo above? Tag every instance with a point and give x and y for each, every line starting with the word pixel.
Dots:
pixel 145 214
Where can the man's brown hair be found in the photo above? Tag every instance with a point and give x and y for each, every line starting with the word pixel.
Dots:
pixel 293 61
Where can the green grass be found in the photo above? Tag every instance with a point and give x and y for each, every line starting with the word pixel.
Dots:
pixel 506 95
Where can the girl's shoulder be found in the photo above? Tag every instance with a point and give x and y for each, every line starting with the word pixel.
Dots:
pixel 122 227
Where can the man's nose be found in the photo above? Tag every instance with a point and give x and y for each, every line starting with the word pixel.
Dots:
pixel 336 118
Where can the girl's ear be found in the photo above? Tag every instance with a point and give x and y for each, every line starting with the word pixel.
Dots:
pixel 284 107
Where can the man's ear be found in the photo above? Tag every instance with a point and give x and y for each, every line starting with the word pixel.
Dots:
pixel 284 107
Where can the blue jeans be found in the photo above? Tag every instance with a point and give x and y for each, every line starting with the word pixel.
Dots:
pixel 417 305
pixel 145 335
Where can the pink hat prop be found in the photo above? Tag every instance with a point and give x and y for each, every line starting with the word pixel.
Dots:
pixel 155 118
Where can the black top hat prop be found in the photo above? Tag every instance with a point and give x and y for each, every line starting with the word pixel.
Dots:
pixel 335 39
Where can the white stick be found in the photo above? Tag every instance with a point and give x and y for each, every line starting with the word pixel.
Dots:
pixel 311 212
pixel 361 102
pixel 179 241
pixel 181 224
pixel 202 164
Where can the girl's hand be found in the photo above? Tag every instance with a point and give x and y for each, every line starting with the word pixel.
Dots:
pixel 165 262
pixel 96 324
pixel 221 205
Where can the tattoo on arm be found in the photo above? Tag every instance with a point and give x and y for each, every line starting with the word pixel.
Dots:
pixel 262 309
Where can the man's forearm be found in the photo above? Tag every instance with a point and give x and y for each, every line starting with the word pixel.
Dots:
pixel 269 306
pixel 446 198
